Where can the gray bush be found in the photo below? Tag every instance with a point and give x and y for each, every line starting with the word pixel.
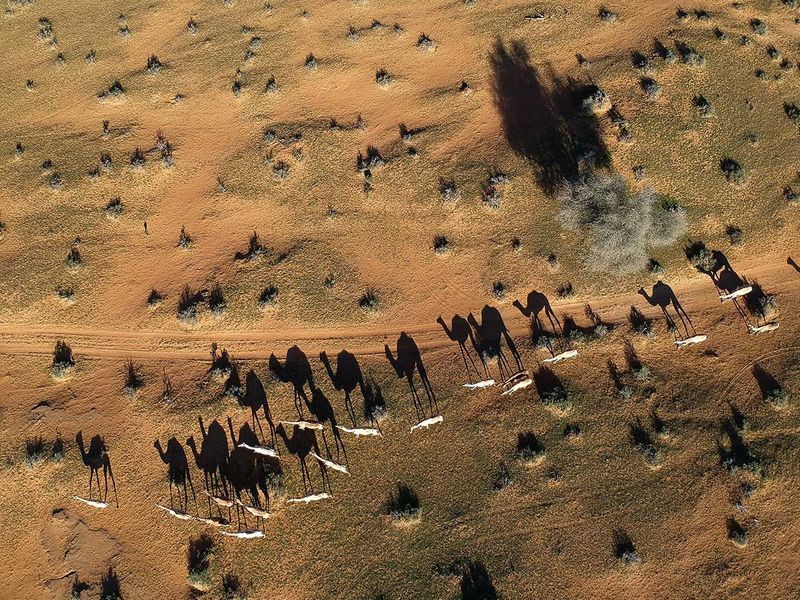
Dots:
pixel 621 224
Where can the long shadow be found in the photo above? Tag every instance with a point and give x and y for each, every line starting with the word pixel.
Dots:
pixel 297 371
pixel 767 384
pixel 212 457
pixel 461 332
pixel 535 304
pixel 346 378
pixel 178 472
pixel 374 402
pixel 541 117
pixel 302 442
pixel 247 472
pixel 407 362
pixel 489 335
pixel 96 458
pixel 794 265
pixel 255 397
pixel 663 297
pixel 109 585
pixel 323 412
pixel 476 583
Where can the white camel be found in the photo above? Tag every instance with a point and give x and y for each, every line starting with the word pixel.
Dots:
pixel 182 516
pixel 518 381
pixel 303 424
pixel 245 535
pixel 763 328
pixel 742 291
pixel 427 423
pixel 563 356
pixel 359 431
pixel 480 385
pixel 92 503
pixel 330 464
pixel 695 339
pixel 223 502
pixel 262 450
pixel 307 499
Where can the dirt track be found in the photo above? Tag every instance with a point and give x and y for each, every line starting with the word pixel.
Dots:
pixel 697 295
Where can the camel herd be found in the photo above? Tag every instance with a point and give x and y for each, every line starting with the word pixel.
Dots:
pixel 240 468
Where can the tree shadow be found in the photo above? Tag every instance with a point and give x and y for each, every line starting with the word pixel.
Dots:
pixel 794 265
pixel 541 117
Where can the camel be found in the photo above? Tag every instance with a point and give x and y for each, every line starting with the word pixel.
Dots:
pixel 663 297
pixel 427 423
pixel 330 464
pixel 489 335
pixel 695 339
pixel 297 371
pixel 460 332
pixel 559 357
pixel 518 381
pixel 244 535
pixel 347 378
pixel 255 397
pixel 301 444
pixel 212 456
pixel 97 457
pixel 407 362
pixel 763 328
pixel 322 410
pixel 303 424
pixel 307 499
pixel 359 431
pixel 177 468
pixel 181 516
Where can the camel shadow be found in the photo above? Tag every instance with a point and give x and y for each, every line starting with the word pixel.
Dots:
pixel 489 335
pixel 212 457
pixel 461 332
pixel 255 397
pixel 178 473
pixel 663 296
pixel 301 444
pixel 297 371
pixel 96 458
pixel 407 362
pixel 347 378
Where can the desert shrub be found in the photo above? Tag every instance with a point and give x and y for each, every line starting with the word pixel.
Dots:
pixel 73 260
pixel 516 244
pixel 758 26
pixel 133 381
pixel 502 477
pixel 138 159
pixel 184 240
pixel 441 244
pixel 154 298
pixel 664 53
pixel 594 100
pixel 650 87
pixel 271 86
pixel 640 61
pixel 372 160
pixel 734 172
pixel 382 77
pixel 268 296
pixel 236 88
pixel 310 62
pixel 571 431
pixel 34 450
pixel 198 558
pixel 773 52
pixel 641 441
pixel 114 208
pixel 164 149
pixel 565 290
pixel 402 503
pixel 499 289
pixel 187 305
pixel 63 361
pixel 192 26
pixel 425 43
pixel 793 112
pixel 55 181
pixel 216 301
pixel 329 281
pixel 621 224
pixel 529 448
pixel 736 533
pixel 606 15
pixel 280 170
pixel 448 190
pixel 689 55
pixel 231 588
pixel 701 257
pixel 369 301
pixel 702 106
pixel 153 64
pixel 19 149
pixel 491 196
pixel 720 35
pixel 623 548
pixel 734 234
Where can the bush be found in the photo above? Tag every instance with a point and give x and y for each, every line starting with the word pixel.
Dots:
pixel 403 503
pixel 441 244
pixel 382 77
pixel 703 106
pixel 448 190
pixel 187 305
pixel 216 301
pixel 34 450
pixel 268 296
pixel 499 290
pixel 133 381
pixel 759 27
pixel 311 62
pixel 231 588
pixel 114 208
pixel 650 87
pixel 502 477
pixel 198 558
pixel 690 56
pixel 63 361
pixel 425 43
pixel 369 300
pixel 153 64
pixel 529 448
pixel 793 112
pixel 621 224
pixel 184 240
pixel 734 234
pixel 734 172
pixel 624 549
pixel 154 298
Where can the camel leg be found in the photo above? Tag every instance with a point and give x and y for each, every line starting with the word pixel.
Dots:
pixel 348 405
pixel 325 441
pixel 415 398
pixel 107 467
pixel 91 474
pixel 257 422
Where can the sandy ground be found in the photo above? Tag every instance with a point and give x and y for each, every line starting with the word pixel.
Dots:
pixel 550 533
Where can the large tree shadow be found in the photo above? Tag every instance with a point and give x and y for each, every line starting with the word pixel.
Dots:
pixel 542 117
